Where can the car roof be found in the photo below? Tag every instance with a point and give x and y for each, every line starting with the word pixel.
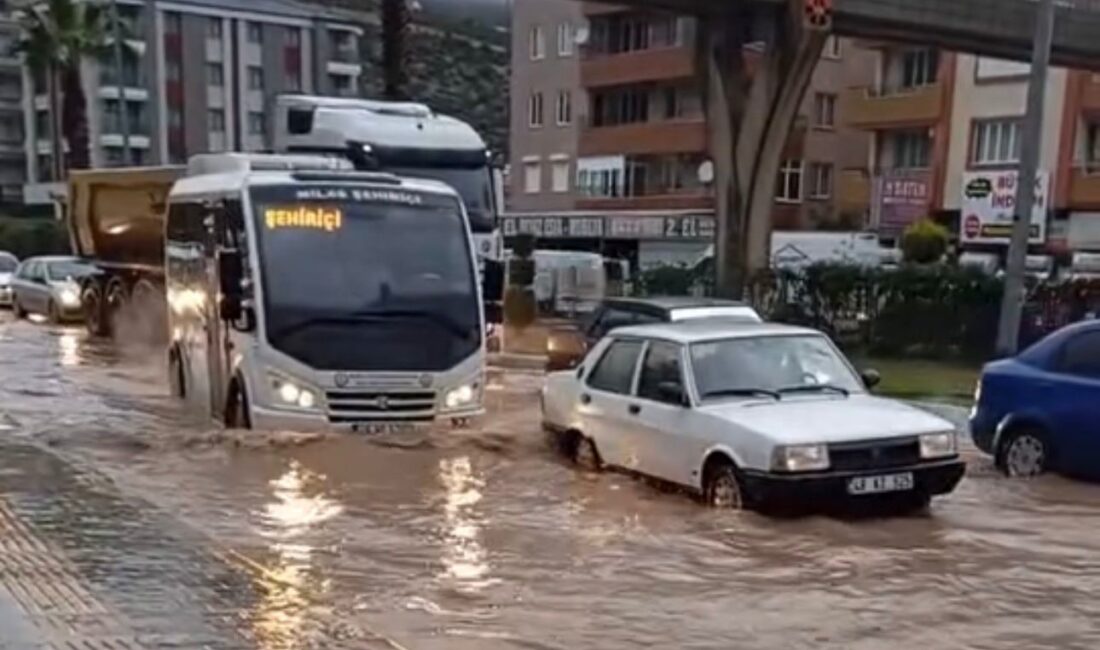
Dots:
pixel 1039 351
pixel 675 302
pixel 709 329
pixel 53 258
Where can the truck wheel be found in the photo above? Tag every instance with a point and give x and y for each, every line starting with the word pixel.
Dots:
pixel 113 304
pixel 95 319
pixel 236 411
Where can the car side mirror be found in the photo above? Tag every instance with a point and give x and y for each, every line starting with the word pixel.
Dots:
pixel 871 377
pixel 230 275
pixel 672 392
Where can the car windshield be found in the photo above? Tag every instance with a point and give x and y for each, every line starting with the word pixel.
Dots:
pixel 776 364
pixel 362 279
pixel 8 263
pixel 65 270
pixel 471 183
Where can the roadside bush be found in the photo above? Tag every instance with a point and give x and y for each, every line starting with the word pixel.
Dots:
pixel 27 237
pixel 924 242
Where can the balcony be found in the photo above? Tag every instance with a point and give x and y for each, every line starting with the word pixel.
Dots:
pixel 1084 187
pixel 674 136
pixel 677 201
pixel 863 109
pixel 637 66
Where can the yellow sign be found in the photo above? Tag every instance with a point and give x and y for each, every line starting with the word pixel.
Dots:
pixel 316 218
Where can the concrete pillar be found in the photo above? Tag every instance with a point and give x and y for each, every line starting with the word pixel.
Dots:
pixel 749 120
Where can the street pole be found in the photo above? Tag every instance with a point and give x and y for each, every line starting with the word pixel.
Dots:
pixel 123 112
pixel 1012 302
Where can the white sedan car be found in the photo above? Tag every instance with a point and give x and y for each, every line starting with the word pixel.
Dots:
pixel 746 415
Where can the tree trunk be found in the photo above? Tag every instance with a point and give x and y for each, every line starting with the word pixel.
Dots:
pixel 57 144
pixel 75 117
pixel 395 28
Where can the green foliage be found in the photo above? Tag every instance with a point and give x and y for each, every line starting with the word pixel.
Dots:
pixel 520 309
pixel 929 311
pixel 28 237
pixel 924 242
pixel 667 280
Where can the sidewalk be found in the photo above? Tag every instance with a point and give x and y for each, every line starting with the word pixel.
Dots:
pixel 81 566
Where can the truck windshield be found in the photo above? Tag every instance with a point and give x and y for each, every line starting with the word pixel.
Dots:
pixel 473 184
pixel 362 278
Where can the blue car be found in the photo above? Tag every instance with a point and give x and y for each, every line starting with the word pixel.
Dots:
pixel 1040 411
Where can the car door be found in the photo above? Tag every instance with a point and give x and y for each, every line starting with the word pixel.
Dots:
pixel 30 288
pixel 663 413
pixel 605 399
pixel 1073 403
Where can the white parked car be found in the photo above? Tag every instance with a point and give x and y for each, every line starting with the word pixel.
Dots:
pixel 8 264
pixel 746 414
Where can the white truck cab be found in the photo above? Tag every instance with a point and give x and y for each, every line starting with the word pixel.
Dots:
pixel 305 295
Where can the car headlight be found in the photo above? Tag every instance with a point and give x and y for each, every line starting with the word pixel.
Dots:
pixel 69 297
pixel 289 393
pixel 938 445
pixel 464 395
pixel 800 458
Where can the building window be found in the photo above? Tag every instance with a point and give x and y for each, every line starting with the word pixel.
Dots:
pixel 824 110
pixel 214 28
pixel 172 70
pixel 255 33
pixel 919 68
pixel 216 118
pixel 341 84
pixel 293 81
pixel 292 37
pixel 534 111
pixel 565 108
pixel 559 178
pixel 624 106
pixel 911 150
pixel 565 40
pixel 215 75
pixel 832 48
pixel 537 45
pixel 996 142
pixel 256 123
pixel 789 184
pixel 821 180
pixel 172 22
pixel 255 77
pixel 175 118
pixel 532 177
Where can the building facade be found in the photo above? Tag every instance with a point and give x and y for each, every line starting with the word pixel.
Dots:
pixel 198 76
pixel 12 127
pixel 609 136
pixel 946 135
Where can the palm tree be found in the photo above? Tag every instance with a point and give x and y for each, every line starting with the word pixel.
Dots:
pixel 395 28
pixel 56 37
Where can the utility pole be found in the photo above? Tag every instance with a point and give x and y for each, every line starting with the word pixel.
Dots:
pixel 123 107
pixel 1012 302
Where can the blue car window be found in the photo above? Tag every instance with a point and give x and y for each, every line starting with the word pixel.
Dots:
pixel 1081 355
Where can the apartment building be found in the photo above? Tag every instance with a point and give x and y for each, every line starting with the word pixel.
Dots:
pixel 12 156
pixel 946 133
pixel 609 135
pixel 198 76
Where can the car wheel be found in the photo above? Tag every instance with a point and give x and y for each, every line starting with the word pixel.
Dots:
pixel 53 314
pixel 585 454
pixel 17 309
pixel 1023 453
pixel 722 488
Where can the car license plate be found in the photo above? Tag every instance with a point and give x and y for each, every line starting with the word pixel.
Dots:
pixel 384 428
pixel 879 484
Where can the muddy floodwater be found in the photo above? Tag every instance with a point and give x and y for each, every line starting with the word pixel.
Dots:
pixel 486 539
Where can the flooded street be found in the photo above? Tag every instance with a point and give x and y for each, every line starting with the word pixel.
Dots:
pixel 486 539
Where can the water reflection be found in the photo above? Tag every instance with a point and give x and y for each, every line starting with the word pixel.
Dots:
pixel 69 350
pixel 297 508
pixel 465 560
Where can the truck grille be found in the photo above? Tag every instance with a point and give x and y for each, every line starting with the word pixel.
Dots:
pixel 365 406
pixel 876 454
